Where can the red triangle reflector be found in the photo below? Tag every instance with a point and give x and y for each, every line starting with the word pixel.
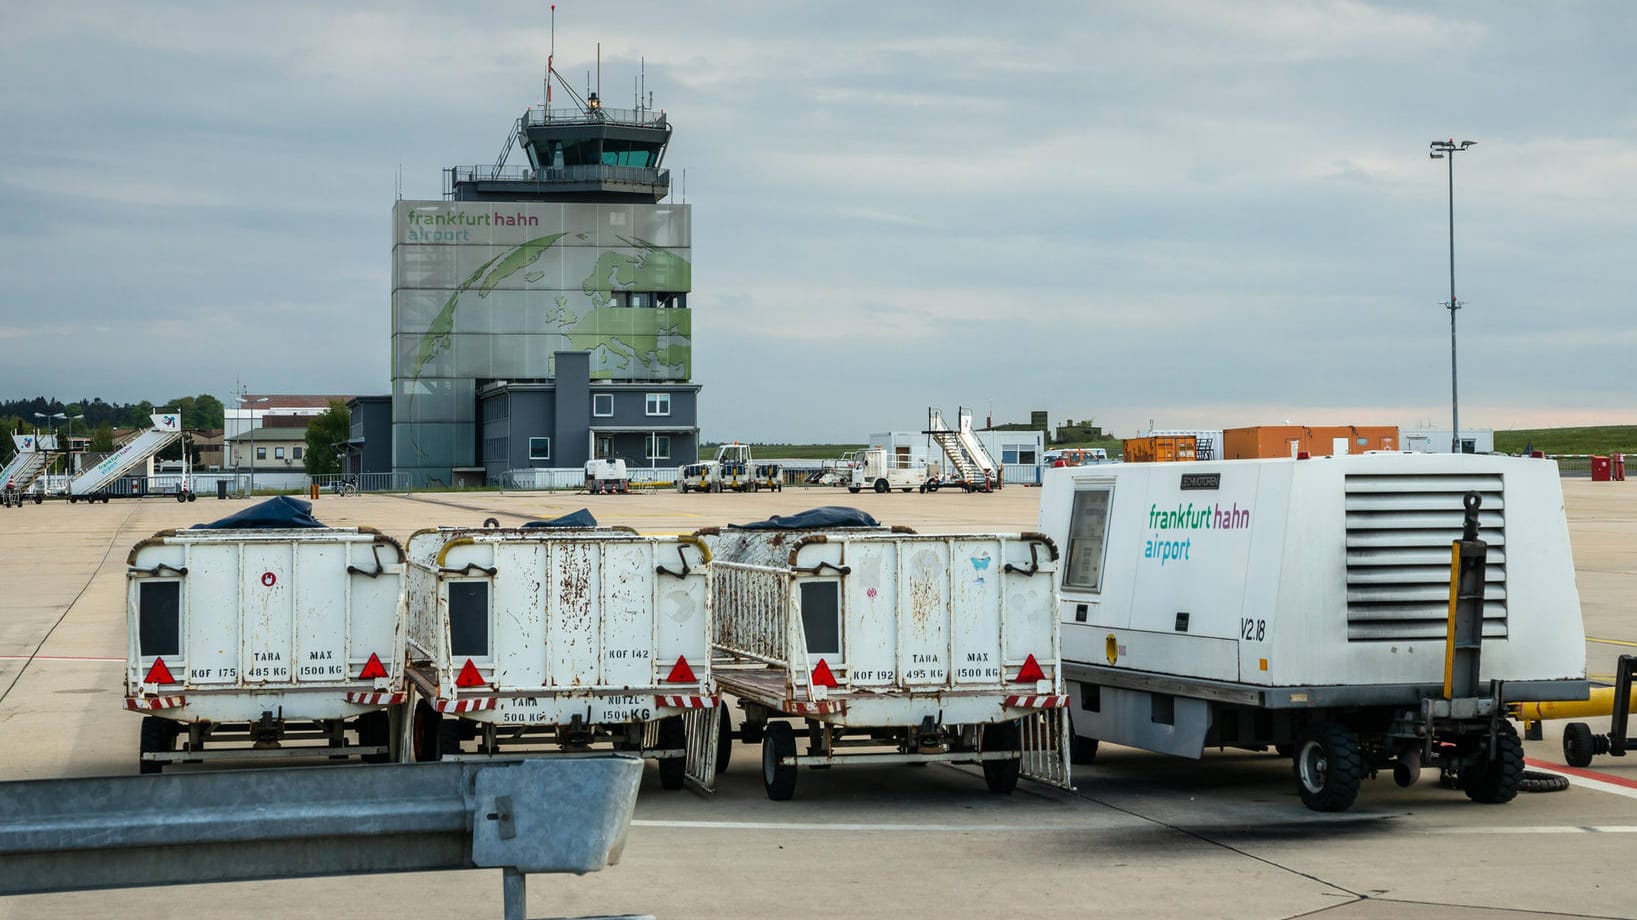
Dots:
pixel 822 676
pixel 159 674
pixel 1030 671
pixel 469 676
pixel 681 673
pixel 372 668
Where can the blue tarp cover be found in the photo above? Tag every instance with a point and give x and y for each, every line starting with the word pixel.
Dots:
pixel 277 512
pixel 813 519
pixel 581 518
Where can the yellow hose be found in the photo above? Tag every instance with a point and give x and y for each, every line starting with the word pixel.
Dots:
pixel 1600 703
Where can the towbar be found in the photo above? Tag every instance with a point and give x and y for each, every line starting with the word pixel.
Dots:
pixel 551 815
pixel 467 569
pixel 159 569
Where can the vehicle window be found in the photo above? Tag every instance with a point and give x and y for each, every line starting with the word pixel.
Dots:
pixel 469 618
pixel 159 618
pixel 1088 531
pixel 821 617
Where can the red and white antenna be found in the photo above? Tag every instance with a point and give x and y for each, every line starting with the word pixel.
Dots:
pixel 549 55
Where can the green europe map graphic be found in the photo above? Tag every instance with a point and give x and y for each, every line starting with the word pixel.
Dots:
pixel 614 335
pixel 624 342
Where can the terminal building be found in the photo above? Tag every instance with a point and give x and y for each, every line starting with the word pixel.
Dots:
pixel 540 313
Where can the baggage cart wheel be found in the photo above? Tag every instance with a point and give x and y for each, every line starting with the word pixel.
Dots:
pixel 1328 766
pixel 853 489
pixel 158 735
pixel 449 737
pixel 1496 782
pixel 778 743
pixel 1578 744
pixel 375 730
pixel 426 729
pixel 1001 775
pixel 880 486
pixel 673 771
pixel 1082 751
pixel 724 742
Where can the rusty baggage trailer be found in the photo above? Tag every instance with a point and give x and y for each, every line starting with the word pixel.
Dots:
pixel 891 647
pixel 561 638
pixel 265 643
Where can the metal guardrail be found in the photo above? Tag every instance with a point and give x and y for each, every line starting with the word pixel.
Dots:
pixel 645 118
pixel 550 815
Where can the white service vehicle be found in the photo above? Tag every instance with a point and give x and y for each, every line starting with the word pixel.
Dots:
pixel 265 643
pixel 607 477
pixel 1306 605
pixel 563 635
pixel 733 470
pixel 875 468
pixel 884 646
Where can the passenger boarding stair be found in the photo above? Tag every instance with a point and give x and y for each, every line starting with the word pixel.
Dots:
pixel 167 427
pixel 966 454
pixel 28 464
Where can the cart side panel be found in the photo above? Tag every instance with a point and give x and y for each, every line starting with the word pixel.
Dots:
pixel 573 595
pixel 421 596
pixel 977 579
pixel 628 616
pixel 267 578
pixel 210 597
pixel 319 599
pixel 684 627
pixel 520 640
pixel 870 606
pixel 1030 608
pixel 377 610
pixel 923 590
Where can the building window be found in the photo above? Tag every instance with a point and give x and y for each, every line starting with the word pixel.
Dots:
pixel 1017 453
pixel 539 448
pixel 602 404
pixel 261 453
pixel 658 447
pixel 295 453
pixel 659 404
pixel 278 453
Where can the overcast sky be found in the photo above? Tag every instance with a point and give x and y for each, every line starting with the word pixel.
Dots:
pixel 1204 214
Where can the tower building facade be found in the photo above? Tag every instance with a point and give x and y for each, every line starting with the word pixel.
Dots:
pixel 540 313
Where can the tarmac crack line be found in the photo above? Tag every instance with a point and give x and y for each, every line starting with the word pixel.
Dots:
pixel 1415 903
pixel 113 540
pixel 1202 838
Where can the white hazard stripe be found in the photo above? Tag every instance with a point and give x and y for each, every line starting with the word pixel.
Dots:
pixel 147 704
pixel 467 705
pixel 1057 701
pixel 375 699
pixel 685 702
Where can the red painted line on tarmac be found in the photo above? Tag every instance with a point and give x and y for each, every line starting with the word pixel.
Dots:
pixel 1609 778
pixel 53 658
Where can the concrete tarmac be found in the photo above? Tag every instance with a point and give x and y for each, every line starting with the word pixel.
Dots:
pixel 1142 835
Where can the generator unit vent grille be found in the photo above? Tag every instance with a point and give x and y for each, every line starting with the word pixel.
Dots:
pixel 1399 531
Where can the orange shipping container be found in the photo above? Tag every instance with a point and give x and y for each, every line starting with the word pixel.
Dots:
pixel 1282 440
pixel 1160 449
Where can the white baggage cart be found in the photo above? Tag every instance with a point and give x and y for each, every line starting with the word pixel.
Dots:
pixel 265 643
pixel 1307 606
pixel 889 647
pixel 561 638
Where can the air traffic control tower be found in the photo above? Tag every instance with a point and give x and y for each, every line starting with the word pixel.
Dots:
pixel 540 313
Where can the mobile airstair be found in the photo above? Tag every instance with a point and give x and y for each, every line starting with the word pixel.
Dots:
pixel 92 484
pixel 24 468
pixel 974 469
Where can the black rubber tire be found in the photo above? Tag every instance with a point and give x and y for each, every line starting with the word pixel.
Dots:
pixel 853 489
pixel 1328 766
pixel 1001 775
pixel 673 771
pixel 181 497
pixel 158 735
pixel 778 742
pixel 1534 781
pixel 1496 782
pixel 932 486
pixel 425 729
pixel 880 487
pixel 1578 746
pixel 724 742
pixel 375 730
pixel 193 496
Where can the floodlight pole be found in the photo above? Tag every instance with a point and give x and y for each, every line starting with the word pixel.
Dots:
pixel 1446 150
